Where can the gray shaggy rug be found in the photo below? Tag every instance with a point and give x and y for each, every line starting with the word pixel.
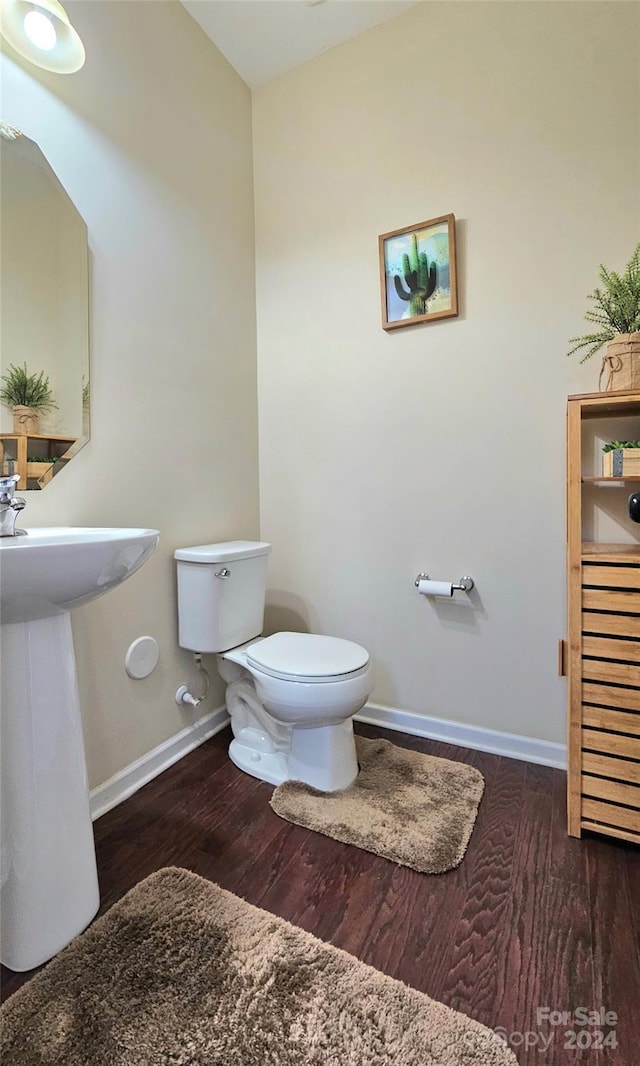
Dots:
pixel 414 809
pixel 182 972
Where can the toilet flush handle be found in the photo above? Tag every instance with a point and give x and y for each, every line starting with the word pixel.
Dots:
pixel 222 573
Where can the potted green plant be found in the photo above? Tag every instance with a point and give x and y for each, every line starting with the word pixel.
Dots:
pixel 617 316
pixel 28 394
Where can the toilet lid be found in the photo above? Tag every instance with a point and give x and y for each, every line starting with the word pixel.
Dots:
pixel 307 656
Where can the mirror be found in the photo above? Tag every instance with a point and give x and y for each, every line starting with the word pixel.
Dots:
pixel 44 305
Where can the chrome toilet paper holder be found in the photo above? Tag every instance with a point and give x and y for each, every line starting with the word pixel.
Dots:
pixel 465 584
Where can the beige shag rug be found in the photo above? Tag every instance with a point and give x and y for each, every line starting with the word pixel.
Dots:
pixel 182 972
pixel 414 809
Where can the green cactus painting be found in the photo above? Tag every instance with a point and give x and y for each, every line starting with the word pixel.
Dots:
pixel 418 273
pixel 420 277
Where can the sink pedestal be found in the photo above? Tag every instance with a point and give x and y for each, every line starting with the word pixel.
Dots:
pixel 49 883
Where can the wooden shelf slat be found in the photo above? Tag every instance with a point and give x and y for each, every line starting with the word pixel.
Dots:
pixel 606 404
pixel 596 552
pixel 612 672
pixel 605 575
pixel 605 600
pixel 610 814
pixel 606 766
pixel 615 650
pixel 609 479
pixel 612 791
pixel 614 625
pixel 611 831
pixel 625 699
pixel 616 721
pixel 38 436
pixel 611 743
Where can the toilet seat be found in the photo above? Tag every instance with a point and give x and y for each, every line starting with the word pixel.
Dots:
pixel 307 657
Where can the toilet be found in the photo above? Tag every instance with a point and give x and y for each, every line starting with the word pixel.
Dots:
pixel 291 696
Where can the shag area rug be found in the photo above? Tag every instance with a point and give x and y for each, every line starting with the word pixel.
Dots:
pixel 415 809
pixel 182 972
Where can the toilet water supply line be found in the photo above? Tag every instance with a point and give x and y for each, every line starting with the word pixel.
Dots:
pixel 183 696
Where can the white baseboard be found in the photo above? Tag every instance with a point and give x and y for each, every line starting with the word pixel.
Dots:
pixel 138 773
pixel 123 784
pixel 511 745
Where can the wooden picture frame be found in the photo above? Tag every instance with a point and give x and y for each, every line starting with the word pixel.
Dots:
pixel 418 281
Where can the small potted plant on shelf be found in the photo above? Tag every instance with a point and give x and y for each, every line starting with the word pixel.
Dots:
pixel 617 316
pixel 41 469
pixel 621 458
pixel 28 394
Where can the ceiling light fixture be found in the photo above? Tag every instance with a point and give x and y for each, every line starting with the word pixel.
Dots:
pixel 41 32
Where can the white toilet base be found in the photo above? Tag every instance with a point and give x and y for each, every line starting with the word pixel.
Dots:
pixel 324 757
pixel 265 765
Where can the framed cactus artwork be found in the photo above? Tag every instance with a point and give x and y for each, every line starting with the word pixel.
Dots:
pixel 418 273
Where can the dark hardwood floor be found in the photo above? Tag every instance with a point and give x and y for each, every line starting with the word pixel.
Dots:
pixel 530 919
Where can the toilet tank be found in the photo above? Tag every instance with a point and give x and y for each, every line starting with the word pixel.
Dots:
pixel 221 591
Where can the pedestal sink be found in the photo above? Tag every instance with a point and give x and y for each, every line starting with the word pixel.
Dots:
pixel 49 884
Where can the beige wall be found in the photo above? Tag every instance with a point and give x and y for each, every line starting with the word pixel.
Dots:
pixel 152 140
pixel 439 447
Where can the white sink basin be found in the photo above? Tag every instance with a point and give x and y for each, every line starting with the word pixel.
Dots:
pixel 57 568
pixel 48 871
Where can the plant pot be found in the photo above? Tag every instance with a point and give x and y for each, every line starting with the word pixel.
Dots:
pixel 25 419
pixel 621 364
pixel 42 472
pixel 621 462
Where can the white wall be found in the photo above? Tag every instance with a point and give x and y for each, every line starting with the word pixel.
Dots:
pixel 152 141
pixel 440 446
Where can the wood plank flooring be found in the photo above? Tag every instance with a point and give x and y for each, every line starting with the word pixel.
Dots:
pixel 531 918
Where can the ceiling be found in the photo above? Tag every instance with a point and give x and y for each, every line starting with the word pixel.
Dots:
pixel 264 38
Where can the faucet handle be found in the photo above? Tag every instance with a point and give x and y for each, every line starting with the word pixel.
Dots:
pixel 8 487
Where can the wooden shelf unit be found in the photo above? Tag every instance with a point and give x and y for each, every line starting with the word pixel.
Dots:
pixel 48 445
pixel 603 648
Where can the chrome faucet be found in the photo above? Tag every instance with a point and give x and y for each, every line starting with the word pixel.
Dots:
pixel 10 505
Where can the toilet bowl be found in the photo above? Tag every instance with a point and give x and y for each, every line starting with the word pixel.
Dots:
pixel 291 696
pixel 291 699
